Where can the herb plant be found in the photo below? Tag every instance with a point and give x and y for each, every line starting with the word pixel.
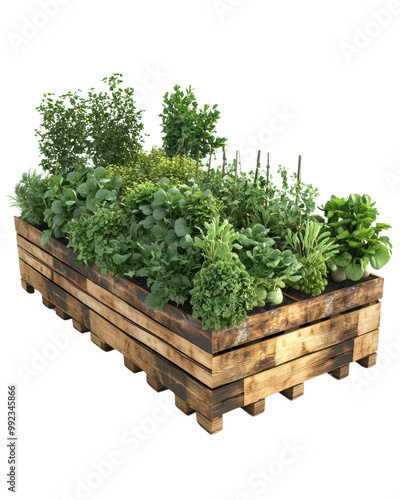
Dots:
pixel 29 197
pixel 313 247
pixel 350 221
pixel 183 119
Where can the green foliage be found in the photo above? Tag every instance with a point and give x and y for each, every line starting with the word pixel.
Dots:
pixel 104 128
pixel 350 222
pixel 114 123
pixel 219 241
pixel 269 266
pixel 314 247
pixel 182 118
pixel 29 197
pixel 223 293
pixel 102 237
pixel 288 206
pixel 63 138
pixel 152 167
pixel 71 195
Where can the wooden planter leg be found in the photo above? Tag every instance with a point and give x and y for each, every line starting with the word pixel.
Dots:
pixel 27 287
pixel 155 384
pixel 131 366
pixel 61 314
pixel 341 372
pixel 78 326
pixel 368 361
pixel 100 343
pixel 256 408
pixel 211 426
pixel 293 392
pixel 47 303
pixel 183 406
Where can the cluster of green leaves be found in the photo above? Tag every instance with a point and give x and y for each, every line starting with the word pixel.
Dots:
pixel 163 224
pixel 77 132
pixel 102 237
pixel 76 193
pixel 183 119
pixel 223 290
pixel 350 221
pixel 314 247
pixel 153 166
pixel 269 266
pixel 29 197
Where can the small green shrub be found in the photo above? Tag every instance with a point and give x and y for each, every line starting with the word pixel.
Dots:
pixel 29 197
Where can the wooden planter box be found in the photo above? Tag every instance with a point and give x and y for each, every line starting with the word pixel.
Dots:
pixel 210 372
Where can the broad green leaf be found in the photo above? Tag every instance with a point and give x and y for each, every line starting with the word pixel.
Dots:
pixel 381 256
pixel 181 228
pixel 354 271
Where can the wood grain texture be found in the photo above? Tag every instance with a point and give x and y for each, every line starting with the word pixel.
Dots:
pixel 366 345
pixel 131 366
pixel 78 326
pixel 62 314
pixel 27 287
pixel 368 361
pixel 341 372
pixel 155 384
pixel 296 372
pixel 100 343
pixel 294 392
pixel 256 408
pixel 183 406
pixel 47 303
pixel 212 426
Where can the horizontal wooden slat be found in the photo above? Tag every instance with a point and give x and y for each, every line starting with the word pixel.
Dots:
pixel 274 351
pixel 38 268
pixel 112 301
pixel 365 345
pixel 295 372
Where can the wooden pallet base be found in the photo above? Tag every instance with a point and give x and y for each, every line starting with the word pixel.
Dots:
pixel 209 373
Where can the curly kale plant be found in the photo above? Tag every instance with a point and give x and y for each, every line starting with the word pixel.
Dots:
pixel 223 290
pixel 350 222
pixel 29 197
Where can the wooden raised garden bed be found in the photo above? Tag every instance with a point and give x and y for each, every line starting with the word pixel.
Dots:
pixel 210 372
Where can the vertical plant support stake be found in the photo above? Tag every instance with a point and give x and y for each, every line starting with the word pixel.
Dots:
pixel 236 173
pixel 197 165
pixel 258 165
pixel 223 161
pixel 209 167
pixel 299 171
pixel 266 203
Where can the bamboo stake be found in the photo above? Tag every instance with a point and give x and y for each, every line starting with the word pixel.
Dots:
pixel 266 202
pixel 209 167
pixel 223 161
pixel 299 170
pixel 197 165
pixel 258 165
pixel 236 173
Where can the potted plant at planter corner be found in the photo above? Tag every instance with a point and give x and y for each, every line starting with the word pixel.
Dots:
pixel 211 280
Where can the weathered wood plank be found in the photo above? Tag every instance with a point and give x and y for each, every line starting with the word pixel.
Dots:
pixel 366 345
pixel 368 361
pixel 256 408
pixel 171 317
pixel 294 392
pixel 28 252
pixel 296 372
pixel 100 343
pixel 183 406
pixel 247 360
pixel 341 372
pixel 212 426
pixel 154 342
pixel 131 366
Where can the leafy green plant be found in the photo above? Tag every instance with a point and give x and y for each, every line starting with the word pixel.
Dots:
pixel 313 247
pixel 63 138
pixel 223 290
pixel 223 293
pixel 29 197
pixel 71 195
pixel 152 167
pixel 183 119
pixel 269 266
pixel 102 237
pixel 114 123
pixel 350 221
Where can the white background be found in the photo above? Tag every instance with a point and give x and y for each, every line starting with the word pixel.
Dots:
pixel 255 59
